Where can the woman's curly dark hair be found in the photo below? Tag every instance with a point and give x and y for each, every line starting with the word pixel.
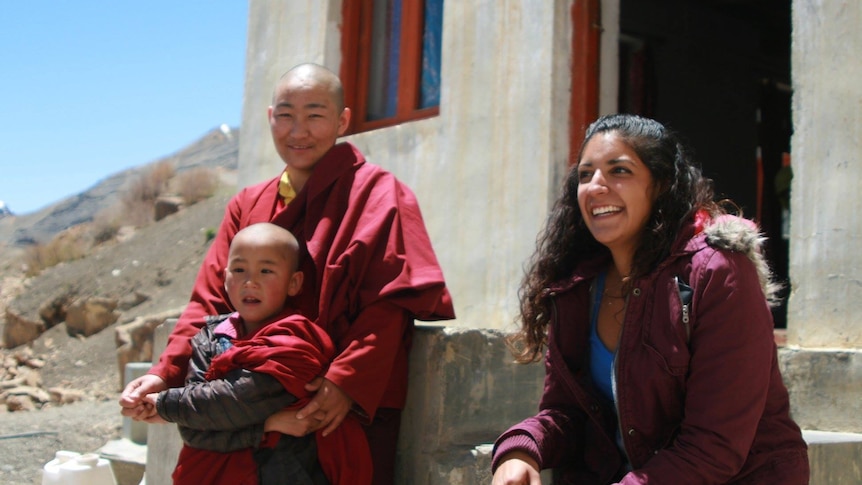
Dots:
pixel 566 241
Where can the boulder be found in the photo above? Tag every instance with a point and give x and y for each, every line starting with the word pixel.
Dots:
pixel 87 316
pixel 167 205
pixel 135 339
pixel 132 300
pixel 62 395
pixel 18 403
pixel 20 330
pixel 35 393
pixel 53 311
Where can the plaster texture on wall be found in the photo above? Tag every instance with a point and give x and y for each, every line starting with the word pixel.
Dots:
pixel 824 388
pixel 485 170
pixel 826 194
pixel 465 390
pixel 501 115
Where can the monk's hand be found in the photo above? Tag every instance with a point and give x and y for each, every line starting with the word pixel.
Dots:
pixel 132 399
pixel 328 407
pixel 285 422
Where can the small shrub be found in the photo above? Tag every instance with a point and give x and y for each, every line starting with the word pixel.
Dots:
pixel 196 184
pixel 160 174
pixel 60 249
pixel 139 198
pixel 105 226
pixel 209 234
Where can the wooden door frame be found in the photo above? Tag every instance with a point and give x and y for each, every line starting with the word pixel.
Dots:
pixel 584 104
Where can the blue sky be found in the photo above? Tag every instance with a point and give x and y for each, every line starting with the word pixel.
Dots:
pixel 89 88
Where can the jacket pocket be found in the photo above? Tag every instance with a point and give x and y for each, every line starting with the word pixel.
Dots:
pixel 668 328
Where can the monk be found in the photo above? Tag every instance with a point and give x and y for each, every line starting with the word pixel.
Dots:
pixel 369 269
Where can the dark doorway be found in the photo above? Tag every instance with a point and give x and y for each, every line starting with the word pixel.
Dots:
pixel 718 72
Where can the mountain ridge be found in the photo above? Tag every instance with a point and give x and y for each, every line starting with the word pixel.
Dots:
pixel 216 149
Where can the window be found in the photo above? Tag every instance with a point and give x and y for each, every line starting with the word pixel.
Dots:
pixel 391 69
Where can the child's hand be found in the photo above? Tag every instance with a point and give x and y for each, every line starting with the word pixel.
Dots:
pixel 150 413
pixel 151 399
pixel 156 419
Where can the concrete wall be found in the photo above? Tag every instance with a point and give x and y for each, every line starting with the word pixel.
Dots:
pixel 464 391
pixel 485 169
pixel 825 387
pixel 823 367
pixel 825 308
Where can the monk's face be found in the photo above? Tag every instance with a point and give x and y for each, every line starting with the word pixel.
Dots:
pixel 305 120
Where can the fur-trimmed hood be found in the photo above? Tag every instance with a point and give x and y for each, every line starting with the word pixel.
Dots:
pixel 740 235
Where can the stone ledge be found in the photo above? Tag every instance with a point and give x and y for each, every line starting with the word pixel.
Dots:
pixel 824 386
pixel 128 460
pixel 465 389
pixel 835 458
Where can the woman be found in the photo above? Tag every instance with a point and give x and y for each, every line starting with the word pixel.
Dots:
pixel 661 365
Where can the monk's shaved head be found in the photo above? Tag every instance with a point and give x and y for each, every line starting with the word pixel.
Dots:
pixel 313 75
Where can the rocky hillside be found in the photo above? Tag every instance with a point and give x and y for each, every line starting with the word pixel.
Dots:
pixel 60 391
pixel 148 271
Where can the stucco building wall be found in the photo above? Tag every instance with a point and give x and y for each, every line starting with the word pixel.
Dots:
pixel 485 169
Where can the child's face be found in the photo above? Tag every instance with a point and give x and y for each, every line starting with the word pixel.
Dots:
pixel 258 279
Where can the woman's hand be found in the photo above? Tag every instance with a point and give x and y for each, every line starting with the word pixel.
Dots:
pixel 285 422
pixel 517 468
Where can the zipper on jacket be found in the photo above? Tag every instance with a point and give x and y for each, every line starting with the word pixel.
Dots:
pixel 685 293
pixel 620 439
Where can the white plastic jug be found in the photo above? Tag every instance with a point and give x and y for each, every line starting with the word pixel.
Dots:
pixel 75 469
pixel 51 471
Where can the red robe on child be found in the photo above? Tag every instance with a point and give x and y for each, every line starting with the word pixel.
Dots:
pixel 294 351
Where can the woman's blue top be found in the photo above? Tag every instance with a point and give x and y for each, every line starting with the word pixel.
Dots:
pixel 601 359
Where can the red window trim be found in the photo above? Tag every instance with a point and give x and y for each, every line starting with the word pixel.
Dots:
pixel 356 60
pixel 584 107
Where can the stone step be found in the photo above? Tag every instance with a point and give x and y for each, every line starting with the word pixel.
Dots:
pixel 128 460
pixel 835 458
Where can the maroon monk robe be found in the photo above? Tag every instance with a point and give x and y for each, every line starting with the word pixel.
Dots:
pixel 370 261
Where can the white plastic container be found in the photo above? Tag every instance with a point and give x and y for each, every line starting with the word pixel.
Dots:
pixel 51 471
pixel 70 468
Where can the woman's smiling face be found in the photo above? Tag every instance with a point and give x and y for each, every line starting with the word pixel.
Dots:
pixel 615 192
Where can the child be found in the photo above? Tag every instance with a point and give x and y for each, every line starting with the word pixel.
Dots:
pixel 250 364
